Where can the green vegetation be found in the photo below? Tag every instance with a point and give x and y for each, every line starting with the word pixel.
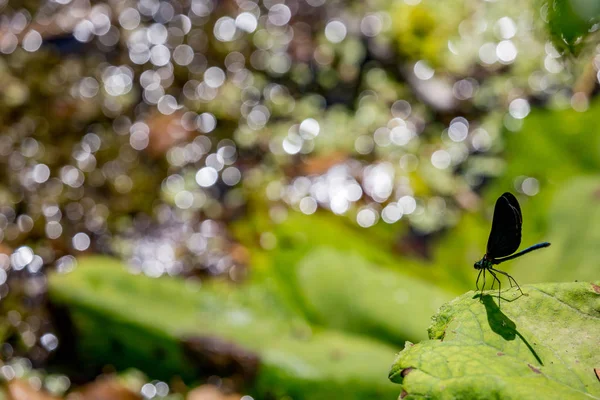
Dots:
pixel 150 320
pixel 541 345
pixel 288 190
pixel 570 22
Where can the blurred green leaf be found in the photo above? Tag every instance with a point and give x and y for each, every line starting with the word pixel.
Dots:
pixel 325 264
pixel 299 234
pixel 343 291
pixel 571 21
pixel 136 321
pixel 553 145
pixel 541 345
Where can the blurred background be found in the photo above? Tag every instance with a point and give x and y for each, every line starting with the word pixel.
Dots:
pixel 246 199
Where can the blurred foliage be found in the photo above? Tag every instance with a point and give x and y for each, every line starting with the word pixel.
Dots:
pixel 540 344
pixel 553 146
pixel 579 252
pixel 561 149
pixel 343 292
pixel 317 166
pixel 421 30
pixel 169 327
pixel 570 22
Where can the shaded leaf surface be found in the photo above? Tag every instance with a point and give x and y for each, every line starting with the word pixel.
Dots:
pixel 542 345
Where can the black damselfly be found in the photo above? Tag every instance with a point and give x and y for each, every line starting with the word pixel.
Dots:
pixel 505 238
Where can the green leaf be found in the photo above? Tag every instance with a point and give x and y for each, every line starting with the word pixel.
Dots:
pixel 344 291
pixel 543 345
pixel 570 22
pixel 169 327
pixel 343 279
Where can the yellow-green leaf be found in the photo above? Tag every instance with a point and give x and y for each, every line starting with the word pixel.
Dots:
pixel 544 345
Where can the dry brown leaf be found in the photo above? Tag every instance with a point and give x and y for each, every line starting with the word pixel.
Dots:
pixel 210 392
pixel 165 132
pixel 21 390
pixel 104 389
pixel 318 165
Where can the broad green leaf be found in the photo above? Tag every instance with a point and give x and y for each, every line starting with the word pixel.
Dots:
pixel 344 291
pixel 343 279
pixel 169 327
pixel 571 21
pixel 299 234
pixel 543 345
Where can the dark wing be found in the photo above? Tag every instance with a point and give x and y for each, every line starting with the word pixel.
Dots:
pixel 505 236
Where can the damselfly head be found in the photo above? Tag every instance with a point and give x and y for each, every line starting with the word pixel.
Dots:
pixel 484 263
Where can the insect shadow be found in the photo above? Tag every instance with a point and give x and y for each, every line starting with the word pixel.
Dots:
pixel 502 325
